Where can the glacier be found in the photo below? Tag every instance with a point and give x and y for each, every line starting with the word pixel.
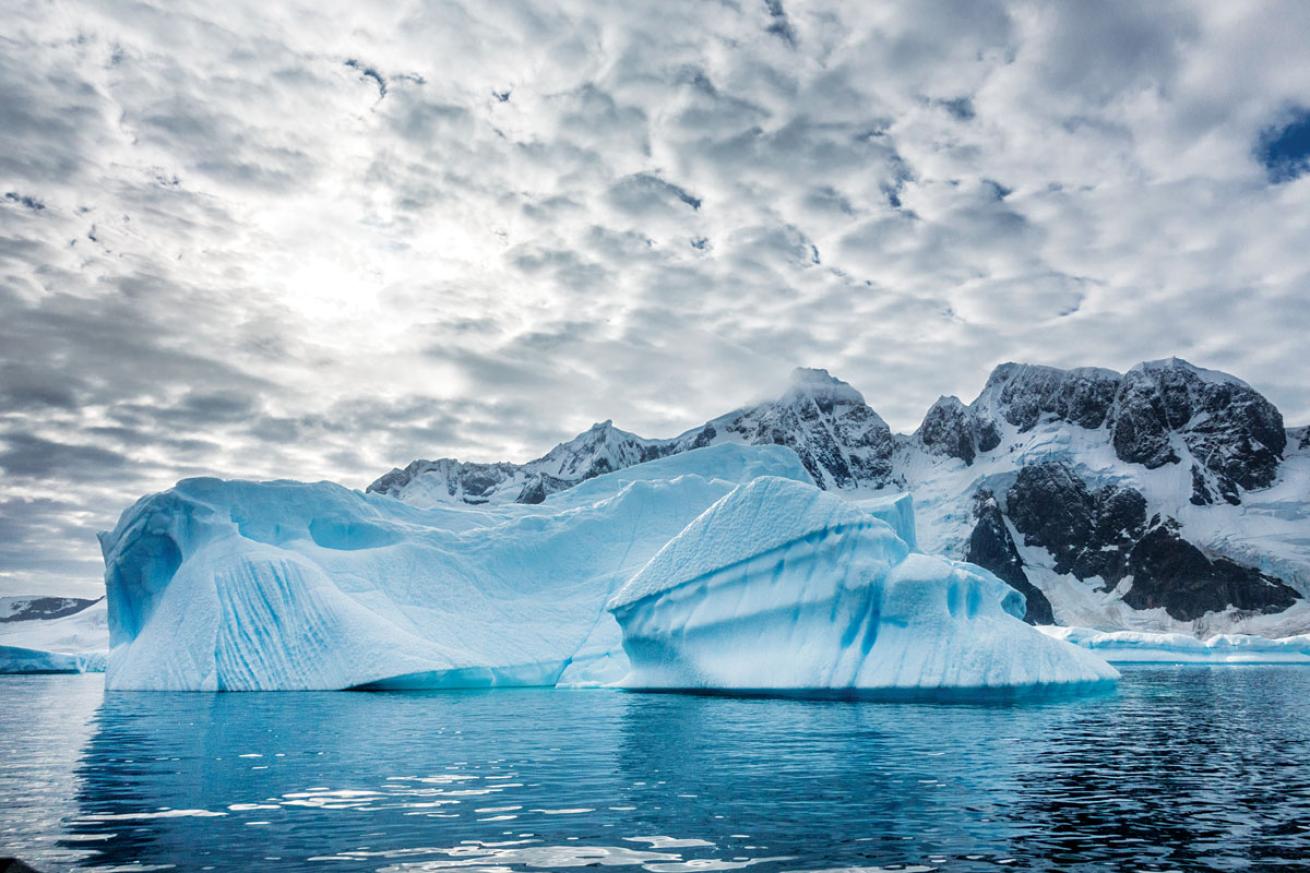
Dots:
pixel 230 585
pixel 783 587
pixel 74 643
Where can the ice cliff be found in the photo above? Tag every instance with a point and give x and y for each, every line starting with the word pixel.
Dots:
pixel 218 585
pixel 781 586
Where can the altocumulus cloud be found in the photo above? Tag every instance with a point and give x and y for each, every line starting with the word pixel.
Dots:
pixel 317 240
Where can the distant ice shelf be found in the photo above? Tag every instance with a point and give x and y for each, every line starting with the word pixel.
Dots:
pixel 76 643
pixel 1129 647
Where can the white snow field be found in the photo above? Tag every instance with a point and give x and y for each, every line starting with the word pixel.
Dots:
pixel 1134 647
pixel 219 585
pixel 75 643
pixel 781 586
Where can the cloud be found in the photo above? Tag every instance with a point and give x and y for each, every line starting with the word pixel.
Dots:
pixel 319 240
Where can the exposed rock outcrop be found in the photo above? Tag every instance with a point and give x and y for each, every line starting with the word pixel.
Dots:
pixel 841 441
pixel 1172 573
pixel 1025 393
pixel 991 547
pixel 1088 532
pixel 949 429
pixel 1104 533
pixel 1234 434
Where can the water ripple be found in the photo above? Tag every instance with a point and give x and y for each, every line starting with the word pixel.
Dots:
pixel 1182 769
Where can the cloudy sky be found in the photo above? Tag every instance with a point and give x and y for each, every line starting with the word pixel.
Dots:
pixel 259 240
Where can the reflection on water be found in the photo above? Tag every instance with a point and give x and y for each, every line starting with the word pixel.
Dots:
pixel 1183 768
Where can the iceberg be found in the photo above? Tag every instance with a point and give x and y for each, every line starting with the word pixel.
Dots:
pixel 229 585
pixel 76 643
pixel 723 567
pixel 1143 647
pixel 782 587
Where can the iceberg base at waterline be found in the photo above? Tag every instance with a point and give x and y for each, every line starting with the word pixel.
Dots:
pixel 782 588
pixel 1144 647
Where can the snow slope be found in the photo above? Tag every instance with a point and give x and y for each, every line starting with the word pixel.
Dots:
pixel 75 643
pixel 218 585
pixel 781 586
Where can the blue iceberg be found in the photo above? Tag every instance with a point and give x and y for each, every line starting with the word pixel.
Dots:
pixel 782 587
pixel 218 585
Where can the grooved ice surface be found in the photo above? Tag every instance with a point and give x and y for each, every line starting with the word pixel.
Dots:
pixel 780 586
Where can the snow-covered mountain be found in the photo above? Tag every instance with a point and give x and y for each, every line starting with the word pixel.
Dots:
pixel 1166 498
pixel 47 639
pixel 34 607
pixel 840 439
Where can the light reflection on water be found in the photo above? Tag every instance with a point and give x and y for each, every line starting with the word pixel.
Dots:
pixel 1182 768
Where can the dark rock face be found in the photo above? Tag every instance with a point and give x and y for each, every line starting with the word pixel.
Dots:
pixel 1105 533
pixel 991 548
pixel 1172 573
pixel 841 441
pixel 1024 393
pixel 1234 433
pixel 989 436
pixel 471 483
pixel 43 607
pixel 1088 532
pixel 540 486
pixel 949 429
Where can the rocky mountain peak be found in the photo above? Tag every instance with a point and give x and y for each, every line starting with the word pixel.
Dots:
pixel 950 428
pixel 1024 394
pixel 841 441
pixel 1235 437
pixel 820 386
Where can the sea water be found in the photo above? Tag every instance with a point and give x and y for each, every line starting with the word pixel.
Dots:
pixel 1181 768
